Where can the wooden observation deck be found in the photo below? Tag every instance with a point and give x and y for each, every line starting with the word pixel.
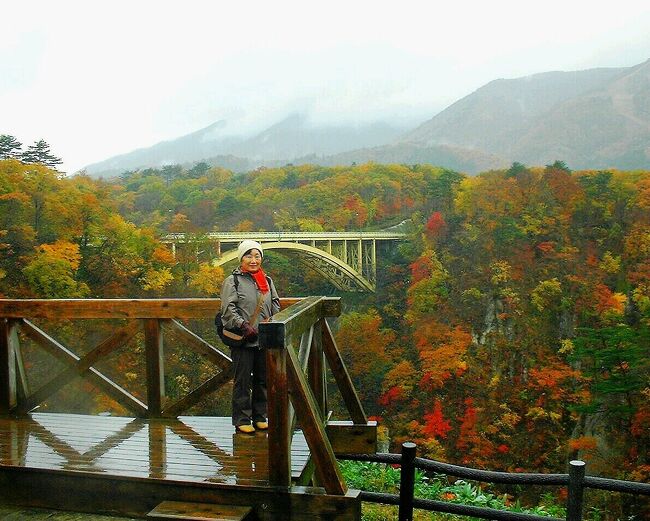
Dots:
pixel 157 457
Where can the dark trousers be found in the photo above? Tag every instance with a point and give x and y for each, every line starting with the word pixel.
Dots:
pixel 249 385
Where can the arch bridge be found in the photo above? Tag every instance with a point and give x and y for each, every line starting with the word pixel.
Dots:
pixel 347 259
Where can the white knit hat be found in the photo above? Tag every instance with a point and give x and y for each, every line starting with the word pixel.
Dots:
pixel 248 244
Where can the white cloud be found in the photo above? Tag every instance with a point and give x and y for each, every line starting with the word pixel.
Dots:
pixel 96 79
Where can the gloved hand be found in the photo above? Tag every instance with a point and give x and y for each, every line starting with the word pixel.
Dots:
pixel 250 333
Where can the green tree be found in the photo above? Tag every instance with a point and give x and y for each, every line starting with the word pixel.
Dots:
pixel 198 170
pixel 9 147
pixel 615 360
pixel 40 152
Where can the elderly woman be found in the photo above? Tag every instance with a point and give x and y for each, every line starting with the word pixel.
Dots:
pixel 248 297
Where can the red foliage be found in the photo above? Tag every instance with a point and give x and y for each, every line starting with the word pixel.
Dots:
pixel 392 395
pixel 421 268
pixel 546 247
pixel 641 423
pixel 468 425
pixel 436 225
pixel 435 423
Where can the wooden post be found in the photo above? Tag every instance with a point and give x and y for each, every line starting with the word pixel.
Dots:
pixel 407 482
pixel 155 367
pixel 576 490
pixel 316 369
pixel 7 366
pixel 272 339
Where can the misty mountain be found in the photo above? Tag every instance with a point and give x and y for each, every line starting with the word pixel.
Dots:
pixel 597 118
pixel 455 158
pixel 214 140
pixel 293 137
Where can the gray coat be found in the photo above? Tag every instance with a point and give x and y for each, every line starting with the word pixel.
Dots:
pixel 237 305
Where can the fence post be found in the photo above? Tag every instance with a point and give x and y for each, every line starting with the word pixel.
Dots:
pixel 273 339
pixel 407 482
pixel 8 390
pixel 576 490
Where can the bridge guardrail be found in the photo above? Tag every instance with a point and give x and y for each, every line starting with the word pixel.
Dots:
pixel 283 235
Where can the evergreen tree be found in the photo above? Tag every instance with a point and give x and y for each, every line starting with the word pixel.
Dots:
pixel 198 170
pixel 9 147
pixel 40 152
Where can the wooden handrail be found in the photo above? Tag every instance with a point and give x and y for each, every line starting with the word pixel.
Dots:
pixel 115 308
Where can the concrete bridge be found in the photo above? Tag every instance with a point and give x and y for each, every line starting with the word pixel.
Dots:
pixel 347 259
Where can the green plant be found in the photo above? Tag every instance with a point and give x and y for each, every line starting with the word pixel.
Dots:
pixel 377 477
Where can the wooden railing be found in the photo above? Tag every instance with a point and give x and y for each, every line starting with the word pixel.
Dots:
pixel 298 342
pixel 576 482
pixel 153 316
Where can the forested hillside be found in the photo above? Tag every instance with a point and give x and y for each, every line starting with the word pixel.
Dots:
pixel 511 331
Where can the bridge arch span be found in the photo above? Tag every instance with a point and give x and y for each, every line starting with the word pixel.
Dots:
pixel 341 274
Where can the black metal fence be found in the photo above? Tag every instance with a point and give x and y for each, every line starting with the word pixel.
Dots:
pixel 576 481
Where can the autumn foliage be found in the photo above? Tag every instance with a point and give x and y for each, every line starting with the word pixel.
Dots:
pixel 510 329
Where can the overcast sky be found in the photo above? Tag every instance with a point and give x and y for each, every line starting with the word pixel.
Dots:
pixel 100 78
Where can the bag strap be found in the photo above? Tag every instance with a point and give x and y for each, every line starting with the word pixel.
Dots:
pixel 256 313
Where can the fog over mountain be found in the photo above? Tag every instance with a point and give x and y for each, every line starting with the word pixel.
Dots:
pixel 596 118
pixel 223 144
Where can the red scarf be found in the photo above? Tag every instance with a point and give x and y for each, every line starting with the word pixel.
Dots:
pixel 260 279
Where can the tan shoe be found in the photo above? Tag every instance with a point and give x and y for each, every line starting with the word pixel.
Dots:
pixel 262 426
pixel 245 429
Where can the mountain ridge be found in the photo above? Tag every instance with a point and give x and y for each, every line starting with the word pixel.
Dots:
pixel 595 118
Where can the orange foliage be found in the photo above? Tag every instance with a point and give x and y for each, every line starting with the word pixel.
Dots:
pixel 442 351
pixel 63 250
pixel 358 210
pixel 421 268
pixel 606 300
pixel 163 256
pixel 586 445
pixel 552 379
pixel 546 247
pixel 583 443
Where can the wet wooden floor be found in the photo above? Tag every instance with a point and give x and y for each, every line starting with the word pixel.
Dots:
pixel 191 448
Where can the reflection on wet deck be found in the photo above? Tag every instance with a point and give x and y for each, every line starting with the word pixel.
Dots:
pixel 191 448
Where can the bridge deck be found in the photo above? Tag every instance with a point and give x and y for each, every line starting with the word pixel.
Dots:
pixel 197 449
